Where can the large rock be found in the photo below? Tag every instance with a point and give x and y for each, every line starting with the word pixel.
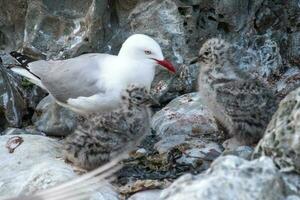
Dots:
pixel 12 105
pixel 186 126
pixel 231 178
pixel 282 137
pixel 30 163
pixel 165 24
pixel 146 195
pixel 12 25
pixel 31 166
pixel 18 97
pixel 53 119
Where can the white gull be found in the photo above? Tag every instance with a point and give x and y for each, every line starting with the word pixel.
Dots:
pixel 93 82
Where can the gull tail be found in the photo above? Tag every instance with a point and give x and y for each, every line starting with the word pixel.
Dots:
pixel 23 69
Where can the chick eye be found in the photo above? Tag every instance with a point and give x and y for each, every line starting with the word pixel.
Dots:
pixel 206 53
pixel 139 98
pixel 147 52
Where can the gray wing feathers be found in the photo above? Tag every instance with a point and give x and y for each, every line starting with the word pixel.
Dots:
pixel 70 78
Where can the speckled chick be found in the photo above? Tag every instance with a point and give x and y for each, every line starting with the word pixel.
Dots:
pixel 243 105
pixel 100 136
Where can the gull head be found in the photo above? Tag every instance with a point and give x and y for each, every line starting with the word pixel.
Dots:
pixel 145 49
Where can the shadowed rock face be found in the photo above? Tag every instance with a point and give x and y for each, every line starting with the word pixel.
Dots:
pixel 12 105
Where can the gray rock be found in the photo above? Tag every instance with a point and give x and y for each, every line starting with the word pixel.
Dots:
pixel 17 131
pixel 294 45
pixel 244 152
pixel 146 195
pixel 37 164
pixel 293 197
pixel 186 125
pixel 292 180
pixel 32 166
pixel 12 105
pixel 165 25
pixel 281 139
pixel 231 178
pixel 12 25
pixel 53 119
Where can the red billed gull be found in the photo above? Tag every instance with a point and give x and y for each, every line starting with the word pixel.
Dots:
pixel 93 82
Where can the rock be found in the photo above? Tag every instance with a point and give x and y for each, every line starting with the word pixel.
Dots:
pixel 18 97
pixel 141 185
pixel 293 197
pixel 36 163
pixel 17 131
pixel 53 119
pixel 12 25
pixel 106 192
pixel 166 26
pixel 146 195
pixel 12 105
pixel 231 178
pixel 292 180
pixel 32 166
pixel 281 139
pixel 186 115
pixel 188 130
pixel 294 45
pixel 244 152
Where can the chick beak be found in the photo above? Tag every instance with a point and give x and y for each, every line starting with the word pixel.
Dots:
pixel 151 101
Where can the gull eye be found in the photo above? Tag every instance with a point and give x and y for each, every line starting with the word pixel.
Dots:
pixel 147 52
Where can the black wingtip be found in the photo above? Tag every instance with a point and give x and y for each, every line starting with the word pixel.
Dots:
pixel 22 59
pixel 1 61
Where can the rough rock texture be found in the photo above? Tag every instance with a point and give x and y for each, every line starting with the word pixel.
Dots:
pixel 186 138
pixel 36 164
pixel 53 119
pixel 187 131
pixel 146 195
pixel 32 166
pixel 292 180
pixel 282 137
pixel 12 105
pixel 17 97
pixel 231 178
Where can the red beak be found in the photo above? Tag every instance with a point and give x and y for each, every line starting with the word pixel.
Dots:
pixel 166 64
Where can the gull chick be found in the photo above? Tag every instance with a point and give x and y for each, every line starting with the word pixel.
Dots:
pixel 100 136
pixel 93 82
pixel 243 105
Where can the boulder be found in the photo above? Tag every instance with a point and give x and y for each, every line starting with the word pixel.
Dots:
pixel 231 178
pixel 53 119
pixel 187 127
pixel 30 163
pixel 282 138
